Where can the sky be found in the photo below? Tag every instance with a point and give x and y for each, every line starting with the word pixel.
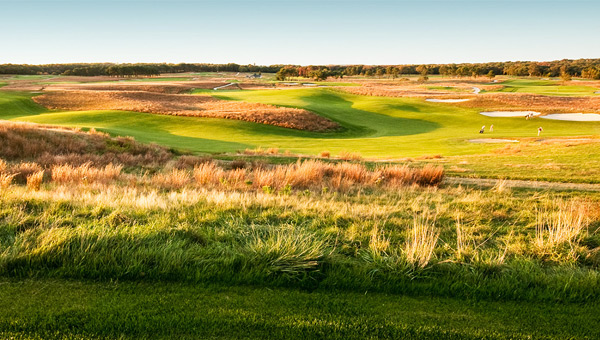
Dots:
pixel 297 32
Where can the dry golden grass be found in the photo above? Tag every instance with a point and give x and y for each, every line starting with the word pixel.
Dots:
pixel 312 174
pixel 85 173
pixel 6 180
pixel 378 242
pixel 208 174
pixel 562 227
pixel 22 170
pixel 421 242
pixel 261 151
pixel 34 181
pixel 55 145
pixel 460 88
pixel 186 105
pixel 350 156
pixel 533 102
pixel 156 87
pixel 325 154
pixel 175 179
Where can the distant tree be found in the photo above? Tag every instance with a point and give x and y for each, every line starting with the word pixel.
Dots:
pixel 286 72
pixel 491 74
pixel 534 70
pixel 422 70
pixel 591 73
pixel 319 74
pixel 565 75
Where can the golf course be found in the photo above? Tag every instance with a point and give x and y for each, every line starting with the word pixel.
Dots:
pixel 336 209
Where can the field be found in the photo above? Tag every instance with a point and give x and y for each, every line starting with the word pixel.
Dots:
pixel 383 225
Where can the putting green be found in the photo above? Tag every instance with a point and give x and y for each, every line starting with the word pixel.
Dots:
pixel 373 126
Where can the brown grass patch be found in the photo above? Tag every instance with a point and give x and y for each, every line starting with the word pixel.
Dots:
pixel 350 156
pixel 185 105
pixel 312 174
pixel 85 173
pixel 34 181
pixel 533 102
pixel 6 180
pixel 55 145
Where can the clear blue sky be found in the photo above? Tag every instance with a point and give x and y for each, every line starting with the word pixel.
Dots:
pixel 297 32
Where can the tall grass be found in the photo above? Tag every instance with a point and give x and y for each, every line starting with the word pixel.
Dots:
pixel 85 173
pixel 6 180
pixel 286 250
pixel 421 242
pixel 560 229
pixel 34 181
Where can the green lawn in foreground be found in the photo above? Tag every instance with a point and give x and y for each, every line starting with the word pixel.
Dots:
pixel 42 309
pixel 546 87
pixel 373 126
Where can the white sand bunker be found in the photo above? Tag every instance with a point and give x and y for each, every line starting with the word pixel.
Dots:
pixel 509 113
pixel 575 117
pixel 476 90
pixel 433 100
pixel 492 140
pixel 309 84
pixel 597 92
pixel 223 86
pixel 290 84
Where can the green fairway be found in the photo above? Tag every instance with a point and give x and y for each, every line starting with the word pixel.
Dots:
pixel 546 87
pixel 373 126
pixel 39 309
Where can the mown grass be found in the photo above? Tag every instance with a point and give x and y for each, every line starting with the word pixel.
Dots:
pixel 567 161
pixel 373 126
pixel 59 309
pixel 546 87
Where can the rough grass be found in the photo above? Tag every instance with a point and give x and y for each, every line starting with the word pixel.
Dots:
pixel 47 146
pixel 185 105
pixel 358 241
pixel 533 102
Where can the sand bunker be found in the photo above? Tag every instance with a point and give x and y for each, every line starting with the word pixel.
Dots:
pixel 509 113
pixel 433 100
pixel 309 84
pixel 492 140
pixel 574 117
pixel 290 84
pixel 476 90
pixel 223 86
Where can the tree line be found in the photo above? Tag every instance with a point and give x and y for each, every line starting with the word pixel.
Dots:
pixel 129 70
pixel 585 68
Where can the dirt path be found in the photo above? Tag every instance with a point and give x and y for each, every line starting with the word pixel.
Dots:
pixel 511 183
